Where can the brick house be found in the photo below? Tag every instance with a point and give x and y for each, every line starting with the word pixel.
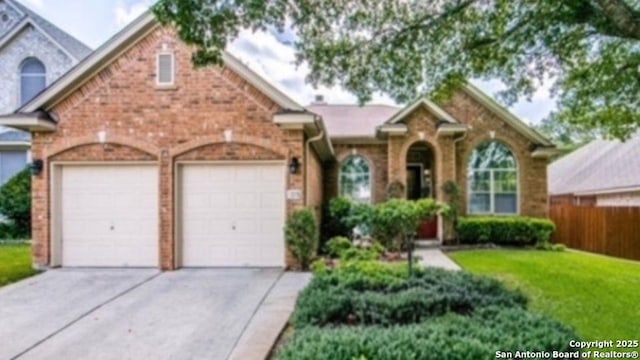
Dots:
pixel 143 160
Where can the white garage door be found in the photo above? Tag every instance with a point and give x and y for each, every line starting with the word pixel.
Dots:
pixel 109 216
pixel 233 215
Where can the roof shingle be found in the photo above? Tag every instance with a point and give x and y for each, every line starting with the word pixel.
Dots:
pixel 598 166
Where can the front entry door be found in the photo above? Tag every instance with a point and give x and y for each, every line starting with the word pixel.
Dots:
pixel 419 187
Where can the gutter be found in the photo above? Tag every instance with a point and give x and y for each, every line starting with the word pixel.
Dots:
pixel 307 148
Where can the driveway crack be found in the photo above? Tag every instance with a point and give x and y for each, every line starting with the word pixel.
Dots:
pixel 84 315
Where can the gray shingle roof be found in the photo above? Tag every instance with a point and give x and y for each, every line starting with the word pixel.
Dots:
pixel 15 136
pixel 597 166
pixel 353 120
pixel 71 44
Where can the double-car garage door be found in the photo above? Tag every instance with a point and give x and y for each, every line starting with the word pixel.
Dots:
pixel 227 215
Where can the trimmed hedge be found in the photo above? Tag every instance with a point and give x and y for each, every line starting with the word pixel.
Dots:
pixel 388 297
pixel 513 230
pixel 449 337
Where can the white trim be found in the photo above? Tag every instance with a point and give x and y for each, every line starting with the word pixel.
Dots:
pixel 393 129
pixel 430 105
pixel 29 124
pixel 451 129
pixel 261 84
pixel 21 75
pixel 491 191
pixel 93 64
pixel 17 144
pixel 607 191
pixel 178 237
pixel 294 118
pixel 545 153
pixel 172 56
pixel 504 114
pixel 15 7
pixel 55 193
pixel 122 42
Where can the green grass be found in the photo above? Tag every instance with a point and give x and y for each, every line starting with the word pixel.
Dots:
pixel 599 296
pixel 15 263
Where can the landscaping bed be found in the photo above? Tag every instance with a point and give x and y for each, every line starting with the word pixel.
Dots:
pixel 373 310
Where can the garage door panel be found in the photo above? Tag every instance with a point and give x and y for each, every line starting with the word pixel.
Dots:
pixel 230 229
pixel 109 215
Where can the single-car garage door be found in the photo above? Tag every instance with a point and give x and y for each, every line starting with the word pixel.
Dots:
pixel 109 215
pixel 232 215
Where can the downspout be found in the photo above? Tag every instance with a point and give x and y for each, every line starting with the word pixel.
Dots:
pixel 307 147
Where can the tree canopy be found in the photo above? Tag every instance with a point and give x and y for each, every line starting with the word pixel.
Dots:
pixel 590 49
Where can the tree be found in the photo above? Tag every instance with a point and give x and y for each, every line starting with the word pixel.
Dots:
pixel 15 204
pixel 404 48
pixel 567 136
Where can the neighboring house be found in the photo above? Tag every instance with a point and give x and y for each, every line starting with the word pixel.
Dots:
pixel 14 153
pixel 602 173
pixel 33 54
pixel 147 161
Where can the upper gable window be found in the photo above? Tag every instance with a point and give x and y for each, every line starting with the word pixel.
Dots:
pixel 355 179
pixel 166 69
pixel 33 79
pixel 493 180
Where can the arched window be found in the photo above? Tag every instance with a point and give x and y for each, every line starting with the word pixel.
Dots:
pixel 33 79
pixel 355 179
pixel 493 180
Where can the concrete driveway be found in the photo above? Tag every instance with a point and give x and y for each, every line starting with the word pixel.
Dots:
pixel 136 314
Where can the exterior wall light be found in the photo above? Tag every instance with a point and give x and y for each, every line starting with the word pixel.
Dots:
pixel 294 166
pixel 36 167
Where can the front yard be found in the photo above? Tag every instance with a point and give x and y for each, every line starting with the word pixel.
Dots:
pixel 595 294
pixel 15 263
pixel 372 310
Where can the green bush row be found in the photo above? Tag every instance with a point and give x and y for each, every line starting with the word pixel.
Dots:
pixel 450 337
pixel 391 298
pixel 515 230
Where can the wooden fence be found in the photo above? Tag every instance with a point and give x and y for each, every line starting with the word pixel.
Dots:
pixel 611 231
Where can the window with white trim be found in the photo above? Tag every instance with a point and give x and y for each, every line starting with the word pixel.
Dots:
pixel 166 69
pixel 493 180
pixel 355 179
pixel 33 79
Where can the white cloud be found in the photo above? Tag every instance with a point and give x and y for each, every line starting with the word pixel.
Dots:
pixel 38 4
pixel 274 61
pixel 127 13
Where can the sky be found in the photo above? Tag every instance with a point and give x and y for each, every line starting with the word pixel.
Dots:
pixel 95 21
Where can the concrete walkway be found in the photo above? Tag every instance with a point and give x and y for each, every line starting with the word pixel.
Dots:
pixel 103 314
pixel 271 318
pixel 436 258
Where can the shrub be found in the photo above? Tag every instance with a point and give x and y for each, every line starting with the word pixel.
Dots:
pixel 335 219
pixel 450 337
pixel 514 230
pixel 15 205
pixel 337 245
pixel 359 254
pixel 301 233
pixel 369 295
pixel 395 221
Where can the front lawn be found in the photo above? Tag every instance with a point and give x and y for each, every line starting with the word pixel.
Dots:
pixel 595 294
pixel 15 263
